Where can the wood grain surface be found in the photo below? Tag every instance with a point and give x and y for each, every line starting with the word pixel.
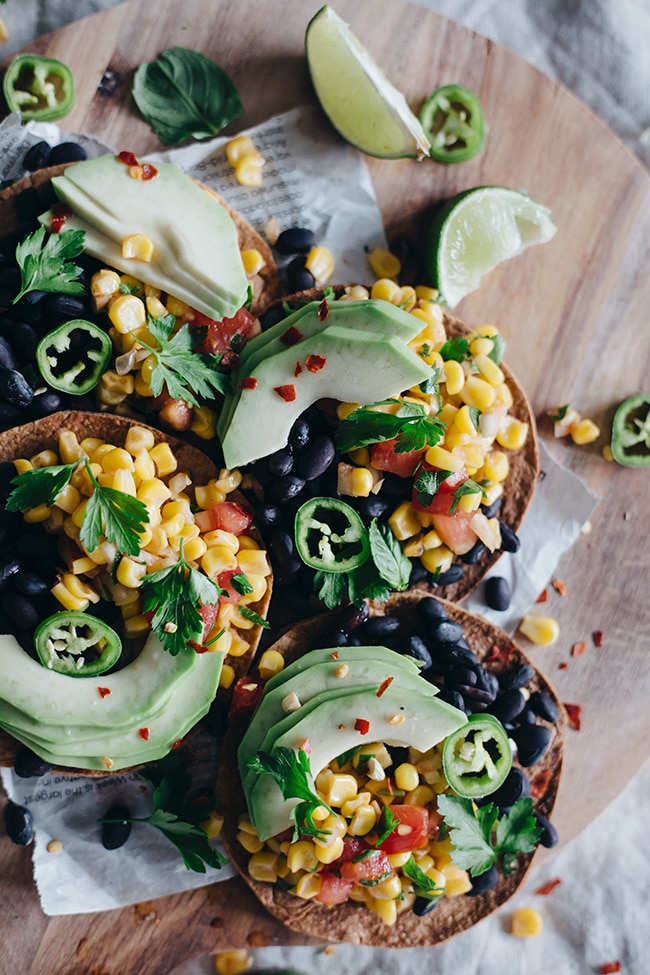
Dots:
pixel 574 313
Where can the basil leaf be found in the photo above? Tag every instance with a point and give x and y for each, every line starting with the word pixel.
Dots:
pixel 393 566
pixel 184 95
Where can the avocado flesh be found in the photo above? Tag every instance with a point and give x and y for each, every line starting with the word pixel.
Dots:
pixel 359 368
pixel 343 655
pixel 329 726
pixel 187 225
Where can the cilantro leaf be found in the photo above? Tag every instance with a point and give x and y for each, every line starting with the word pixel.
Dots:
pixel 480 838
pixel 456 349
pixel 467 487
pixel 411 426
pixel 331 587
pixel 42 485
pixel 48 266
pixel 388 823
pixel 427 484
pixel 498 348
pixel 291 771
pixel 560 413
pixel 240 583
pixel 517 832
pixel 430 386
pixel 423 885
pixel 393 566
pixel 185 372
pixel 248 614
pixel 117 516
pixel 475 415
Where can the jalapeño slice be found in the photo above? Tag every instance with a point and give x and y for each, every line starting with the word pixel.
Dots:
pixel 77 644
pixel 331 536
pixel 631 432
pixel 452 117
pixel 73 357
pixel 39 88
pixel 477 758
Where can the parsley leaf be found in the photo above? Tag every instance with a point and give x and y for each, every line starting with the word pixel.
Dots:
pixel 331 587
pixel 117 516
pixel 248 614
pixel 427 484
pixel 431 386
pixel 291 771
pixel 393 566
pixel 411 426
pixel 560 413
pixel 185 372
pixel 498 348
pixel 174 594
pixel 423 885
pixel 42 485
pixel 388 823
pixel 467 487
pixel 48 266
pixel 456 349
pixel 477 844
pixel 240 583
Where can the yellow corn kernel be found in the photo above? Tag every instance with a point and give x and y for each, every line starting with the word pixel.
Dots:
pixel 434 331
pixel 607 454
pixel 398 860
pixel 164 459
pixel 421 795
pixel 153 492
pixel 98 452
pixel 489 370
pixel 129 610
pixel 158 542
pixel 386 909
pixel 542 630
pixel 492 492
pixel 177 307
pixel 264 866
pixel 376 750
pixel 194 549
pixel 413 547
pixel 384 264
pixel 136 626
pixel 503 396
pixel 253 561
pixel 454 377
pixel 45 458
pixel 526 922
pixel 138 246
pixel 329 853
pixel 443 459
pixel 338 788
pixel 308 886
pixel 116 459
pixel 69 447
pixel 217 559
pixel 204 422
pixel 470 502
pixel 147 367
pixel 253 262
pixel 343 410
pixel 362 482
pixel 388 889
pixel 458 881
pixel 384 289
pixel 155 307
pixel 127 313
pixel 496 466
pixel 221 537
pixel 489 331
pixel 213 825
pixel 447 415
pixel 271 663
pixel 233 962
pixel 406 776
pixel 77 515
pixel 431 540
pixel 584 432
pixel 355 292
pixel 301 856
pixel 82 565
pixel 131 573
pixel 144 468
pixel 320 261
pixel 113 388
pixel 477 392
pixel 437 559
pixel 103 285
pixel 228 676
pixel 464 423
pixel 240 148
pixel 363 820
pixel 34 516
pixel 78 589
pixel 425 293
pixel 403 522
pixel 248 172
pixel 250 841
pixel 513 433
pixel 22 465
pixel 228 480
pixel 129 283
pixel 405 298
pixel 360 456
pixel 481 345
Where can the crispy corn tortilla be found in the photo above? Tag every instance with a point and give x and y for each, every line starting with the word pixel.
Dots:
pixel 524 463
pixel 352 922
pixel 265 284
pixel 43 434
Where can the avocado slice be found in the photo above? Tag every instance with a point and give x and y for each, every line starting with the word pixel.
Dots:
pixel 343 655
pixel 358 367
pixel 329 727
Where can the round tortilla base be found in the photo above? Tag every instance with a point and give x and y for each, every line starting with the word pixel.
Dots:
pixel 352 922
pixel 524 463
pixel 44 434
pixel 265 284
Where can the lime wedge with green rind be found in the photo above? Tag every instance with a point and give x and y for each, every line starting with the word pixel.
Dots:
pixel 360 102
pixel 477 230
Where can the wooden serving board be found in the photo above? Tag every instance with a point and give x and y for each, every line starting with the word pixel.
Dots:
pixel 574 313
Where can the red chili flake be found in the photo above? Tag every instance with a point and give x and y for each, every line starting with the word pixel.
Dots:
pixel 177 744
pixel 598 638
pixel 543 596
pixel 574 713
pixel 144 734
pixel 291 336
pixel 498 654
pixel 60 213
pixel 103 691
pixel 362 725
pixel 305 746
pixel 248 382
pixel 385 684
pixel 539 784
pixel 315 363
pixel 298 369
pixel 609 967
pixel 334 655
pixel 287 393
pixel 559 586
pixel 148 171
pixel 578 649
pixel 323 310
pixel 128 158
pixel 547 888
pixel 562 666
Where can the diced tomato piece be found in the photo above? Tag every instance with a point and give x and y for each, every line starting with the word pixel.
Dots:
pixel 372 866
pixel 220 334
pixel 209 615
pixel 412 831
pixel 333 889
pixel 227 515
pixel 455 530
pixel 442 500
pixel 435 822
pixel 176 414
pixel 384 457
pixel 352 847
pixel 223 580
pixel 246 694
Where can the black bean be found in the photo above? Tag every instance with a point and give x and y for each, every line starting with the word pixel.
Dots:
pixel 497 593
pixel 474 554
pixel 335 637
pixel 284 550
pixel 418 572
pixel 28 765
pixel 378 627
pixel 65 306
pixel 287 487
pixel 490 510
pixel 299 278
pixel 455 698
pixel 7 355
pixel 445 632
pixel 459 653
pixel 516 786
pixel 517 677
pixel 549 836
pixel 461 675
pixel 533 741
pixel 430 610
pixel 509 540
pixel 24 341
pixel 36 156
pixel 30 309
pixel 474 697
pixel 216 720
pixel 424 905
pixel 46 403
pixel 7 249
pixel 30 584
pixel 483 882
pixel 453 574
pixel 543 705
pixel 300 433
pixel 316 459
pixel 20 610
pixel 20 824
pixel 9 566
pixel 267 514
pixel 115 835
pixel 281 462
pixel 66 152
pixel 416 647
pixel 14 388
pixel 295 240
pixel 375 506
pixel 486 680
pixel 508 705
pixel 353 616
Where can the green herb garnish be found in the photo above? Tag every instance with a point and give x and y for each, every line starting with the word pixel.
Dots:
pixel 456 349
pixel 185 372
pixel 467 487
pixel 391 563
pixel 240 583
pixel 423 885
pixel 48 266
pixel 292 773
pixel 248 614
pixel 498 348
pixel 411 426
pixel 388 823
pixel 560 414
pixel 480 838
pixel 427 484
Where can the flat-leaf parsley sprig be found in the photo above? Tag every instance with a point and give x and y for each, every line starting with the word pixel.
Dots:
pixel 411 425
pixel 292 772
pixel 185 372
pixel 47 265
pixel 481 838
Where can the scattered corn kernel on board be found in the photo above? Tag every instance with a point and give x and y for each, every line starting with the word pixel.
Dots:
pixel 574 314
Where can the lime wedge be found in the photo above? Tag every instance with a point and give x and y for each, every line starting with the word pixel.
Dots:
pixel 477 230
pixel 360 102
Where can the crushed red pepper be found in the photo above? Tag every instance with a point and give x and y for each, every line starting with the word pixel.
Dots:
pixel 559 586
pixel 60 213
pixel 315 363
pixel 539 784
pixel 291 336
pixel 609 967
pixel 287 393
pixel 598 638
pixel 248 382
pixel 128 158
pixel 362 725
pixel 543 596
pixel 103 691
pixel 578 649
pixel 385 684
pixel 574 713
pixel 548 887
pixel 323 310
pixel 498 654
pixel 144 734
pixel 298 369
